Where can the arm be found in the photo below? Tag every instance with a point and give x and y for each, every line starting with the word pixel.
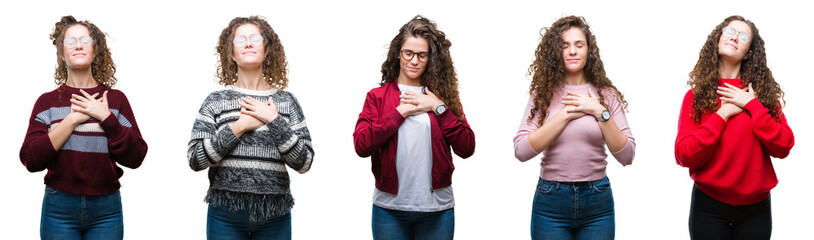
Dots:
pixel 776 136
pixel 617 134
pixel 124 140
pixel 373 130
pixel 292 137
pixel 208 145
pixel 695 142
pixel 532 139
pixel 37 150
pixel 457 133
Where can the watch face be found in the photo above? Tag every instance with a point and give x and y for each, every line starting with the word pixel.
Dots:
pixel 440 109
pixel 605 115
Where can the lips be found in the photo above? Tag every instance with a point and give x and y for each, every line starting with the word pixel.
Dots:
pixel 572 59
pixel 731 44
pixel 249 52
pixel 79 54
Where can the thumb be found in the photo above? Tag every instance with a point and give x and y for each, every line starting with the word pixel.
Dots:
pixel 750 88
pixel 104 97
pixel 590 94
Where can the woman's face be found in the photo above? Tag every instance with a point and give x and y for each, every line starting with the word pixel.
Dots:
pixel 734 41
pixel 248 46
pixel 413 57
pixel 574 50
pixel 77 47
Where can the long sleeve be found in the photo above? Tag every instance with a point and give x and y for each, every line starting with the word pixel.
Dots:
pixel 37 151
pixel 522 148
pixel 292 137
pixel 695 142
pixel 371 130
pixel 457 133
pixel 208 144
pixel 628 152
pixel 125 143
pixel 776 136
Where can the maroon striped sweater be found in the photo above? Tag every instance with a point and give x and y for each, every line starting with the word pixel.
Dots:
pixel 86 163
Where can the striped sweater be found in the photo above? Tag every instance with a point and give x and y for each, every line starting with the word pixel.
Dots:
pixel 86 163
pixel 249 172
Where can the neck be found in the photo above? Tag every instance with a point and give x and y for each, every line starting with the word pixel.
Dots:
pixel 251 79
pixel 402 79
pixel 577 78
pixel 80 78
pixel 729 69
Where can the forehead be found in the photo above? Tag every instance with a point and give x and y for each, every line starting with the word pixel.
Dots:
pixel 740 26
pixel 76 30
pixel 247 29
pixel 573 34
pixel 416 44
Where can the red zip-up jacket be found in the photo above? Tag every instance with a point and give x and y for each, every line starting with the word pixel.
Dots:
pixel 729 160
pixel 376 135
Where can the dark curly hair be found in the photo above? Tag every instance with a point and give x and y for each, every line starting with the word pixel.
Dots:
pixel 440 76
pixel 102 67
pixel 275 66
pixel 704 77
pixel 548 68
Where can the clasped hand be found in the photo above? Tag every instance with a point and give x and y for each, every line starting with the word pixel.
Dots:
pixel 254 113
pixel 417 103
pixel 86 106
pixel 578 105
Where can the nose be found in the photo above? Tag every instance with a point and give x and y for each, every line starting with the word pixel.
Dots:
pixel 414 60
pixel 572 50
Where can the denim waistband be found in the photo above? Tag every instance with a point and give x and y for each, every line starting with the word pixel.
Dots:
pixel 575 183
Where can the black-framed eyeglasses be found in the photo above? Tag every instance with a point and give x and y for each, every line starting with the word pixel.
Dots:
pixel 83 40
pixel 742 36
pixel 241 40
pixel 409 54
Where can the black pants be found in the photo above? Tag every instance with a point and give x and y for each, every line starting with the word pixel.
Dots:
pixel 712 219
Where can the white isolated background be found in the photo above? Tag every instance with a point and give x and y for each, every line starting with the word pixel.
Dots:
pixel 164 51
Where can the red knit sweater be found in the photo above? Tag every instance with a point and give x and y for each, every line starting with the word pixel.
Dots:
pixel 86 163
pixel 729 160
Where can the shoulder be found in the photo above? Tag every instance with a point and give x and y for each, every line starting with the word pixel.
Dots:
pixel 379 91
pixel 220 95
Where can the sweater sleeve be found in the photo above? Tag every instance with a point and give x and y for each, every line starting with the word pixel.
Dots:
pixel 37 150
pixel 695 142
pixel 776 136
pixel 124 140
pixel 373 130
pixel 292 137
pixel 522 148
pixel 457 133
pixel 628 152
pixel 208 145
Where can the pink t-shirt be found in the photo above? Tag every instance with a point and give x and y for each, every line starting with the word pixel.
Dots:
pixel 578 153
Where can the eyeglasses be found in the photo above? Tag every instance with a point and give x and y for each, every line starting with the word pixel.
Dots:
pixel 241 40
pixel 742 36
pixel 409 54
pixel 83 40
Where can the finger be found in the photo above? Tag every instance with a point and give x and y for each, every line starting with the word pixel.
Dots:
pixel 94 95
pixel 725 93
pixel 413 102
pixel 88 96
pixel 78 103
pixel 247 107
pixel 571 103
pixel 590 95
pixel 427 90
pixel 572 98
pixel 104 97
pixel 575 94
pixel 79 98
pixel 751 90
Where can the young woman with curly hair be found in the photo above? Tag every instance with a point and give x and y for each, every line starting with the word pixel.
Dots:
pixel 407 126
pixel 81 132
pixel 573 112
pixel 247 133
pixel 731 121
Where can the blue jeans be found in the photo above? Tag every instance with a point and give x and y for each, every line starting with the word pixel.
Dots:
pixel 396 225
pixel 75 216
pixel 223 224
pixel 713 219
pixel 573 210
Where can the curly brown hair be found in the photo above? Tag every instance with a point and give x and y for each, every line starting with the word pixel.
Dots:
pixel 440 76
pixel 275 66
pixel 102 67
pixel 704 77
pixel 548 68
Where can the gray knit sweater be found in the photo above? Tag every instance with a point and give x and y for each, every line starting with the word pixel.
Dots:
pixel 249 172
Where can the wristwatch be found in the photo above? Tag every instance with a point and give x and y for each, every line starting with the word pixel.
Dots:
pixel 604 117
pixel 440 109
